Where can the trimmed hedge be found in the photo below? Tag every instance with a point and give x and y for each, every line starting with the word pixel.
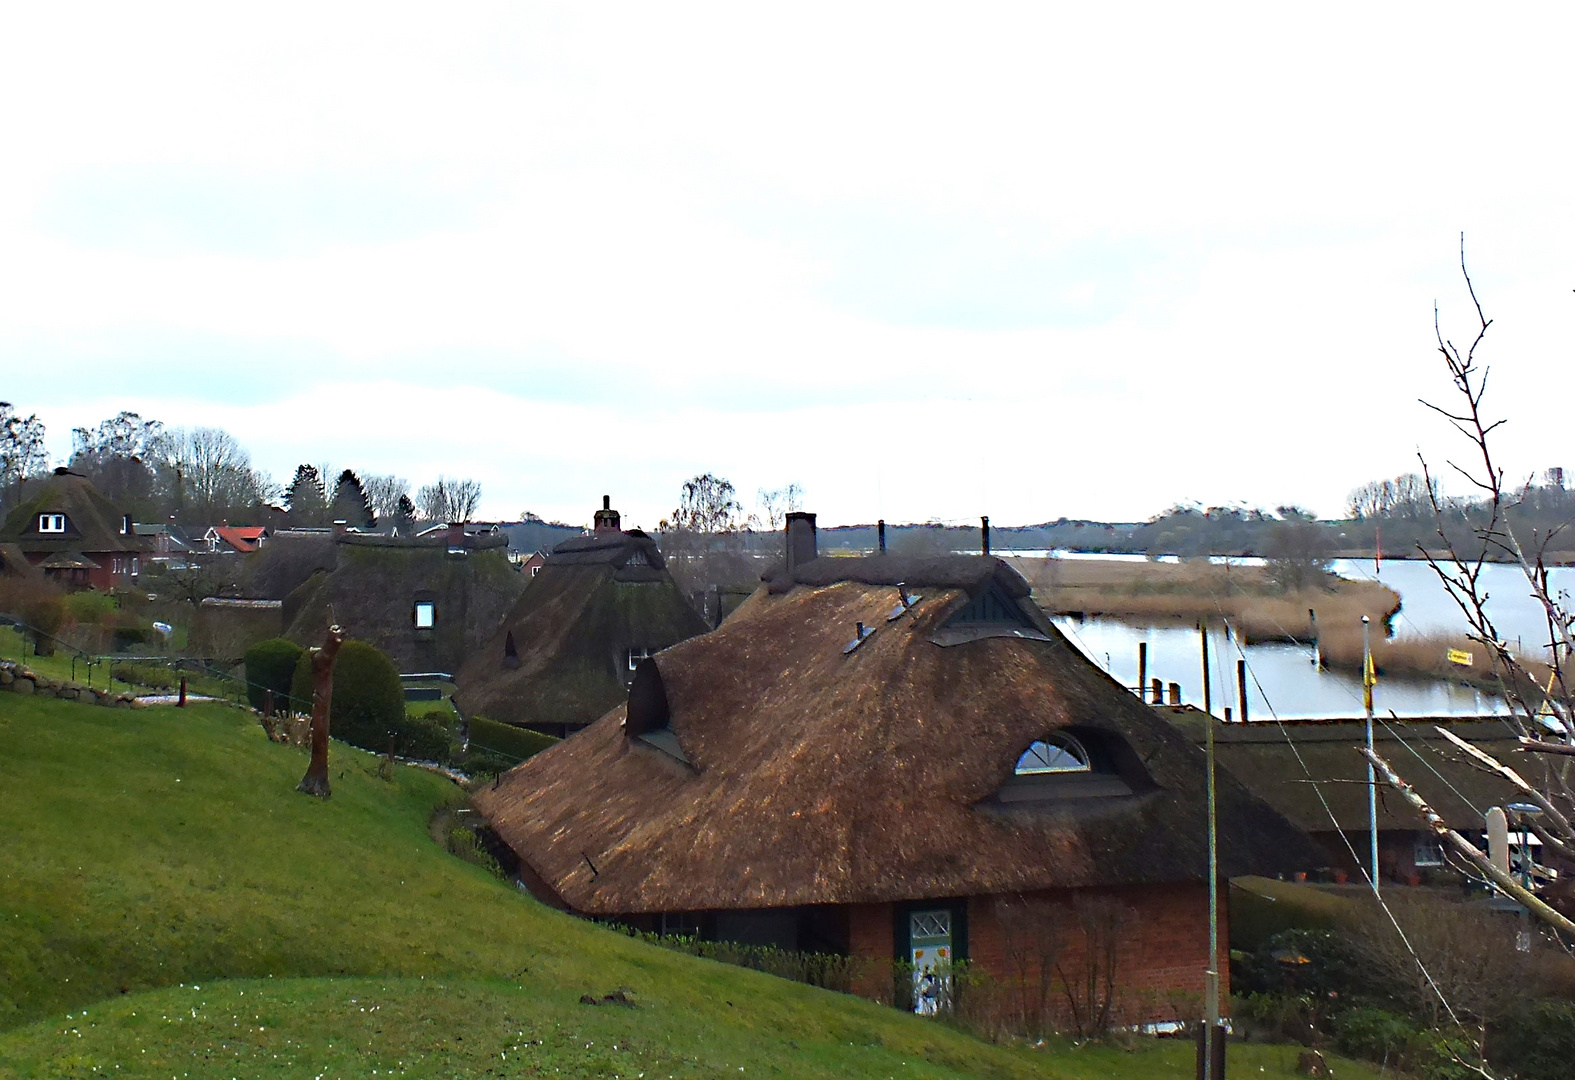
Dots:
pixel 270 665
pixel 508 741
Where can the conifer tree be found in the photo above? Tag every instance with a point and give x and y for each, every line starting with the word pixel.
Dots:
pixel 307 503
pixel 350 503
pixel 405 516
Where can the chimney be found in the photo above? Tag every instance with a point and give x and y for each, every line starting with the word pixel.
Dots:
pixel 801 545
pixel 984 534
pixel 880 532
pixel 341 527
pixel 607 519
pixel 456 534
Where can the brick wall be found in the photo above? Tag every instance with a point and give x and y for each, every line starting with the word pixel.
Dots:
pixel 870 933
pixel 1161 950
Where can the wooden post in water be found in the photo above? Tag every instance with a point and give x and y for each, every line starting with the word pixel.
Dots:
pixel 1241 690
pixel 1312 628
pixel 1142 667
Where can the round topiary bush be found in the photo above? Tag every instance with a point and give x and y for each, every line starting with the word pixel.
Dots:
pixel 368 703
pixel 270 665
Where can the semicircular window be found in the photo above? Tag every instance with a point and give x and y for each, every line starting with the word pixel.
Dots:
pixel 1054 754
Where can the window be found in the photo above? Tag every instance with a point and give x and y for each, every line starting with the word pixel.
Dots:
pixel 51 523
pixel 636 655
pixel 1058 753
pixel 426 614
pixel 680 924
pixel 117 564
pixel 1428 852
pixel 535 570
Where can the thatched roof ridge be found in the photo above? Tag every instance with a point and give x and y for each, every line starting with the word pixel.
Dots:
pixel 815 776
pixel 967 572
pixel 471 541
pixel 93 522
pixel 606 549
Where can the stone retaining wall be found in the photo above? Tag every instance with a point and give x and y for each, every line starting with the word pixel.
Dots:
pixel 21 679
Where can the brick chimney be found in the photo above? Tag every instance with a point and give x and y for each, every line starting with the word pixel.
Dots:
pixel 607 519
pixel 456 534
pixel 801 542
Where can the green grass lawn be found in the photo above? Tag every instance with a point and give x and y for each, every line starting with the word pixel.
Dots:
pixel 169 906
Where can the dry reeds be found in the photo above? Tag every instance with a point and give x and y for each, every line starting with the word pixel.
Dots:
pixel 1185 592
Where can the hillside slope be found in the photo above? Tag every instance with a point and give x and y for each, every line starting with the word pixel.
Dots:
pixel 169 905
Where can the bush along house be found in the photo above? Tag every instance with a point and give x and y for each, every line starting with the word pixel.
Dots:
pixel 899 760
pixel 567 650
pixel 75 535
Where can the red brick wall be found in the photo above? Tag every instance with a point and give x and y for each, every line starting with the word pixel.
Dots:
pixel 1161 953
pixel 870 934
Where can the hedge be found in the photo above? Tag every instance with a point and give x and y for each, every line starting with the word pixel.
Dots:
pixel 270 665
pixel 506 740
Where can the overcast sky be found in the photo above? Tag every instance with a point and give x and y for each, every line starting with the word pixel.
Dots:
pixel 926 262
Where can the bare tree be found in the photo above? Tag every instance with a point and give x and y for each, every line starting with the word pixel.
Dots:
pixel 315 782
pixel 449 499
pixel 22 452
pixel 1091 976
pixel 1032 934
pixel 384 491
pixel 213 474
pixel 1539 692
pixel 776 505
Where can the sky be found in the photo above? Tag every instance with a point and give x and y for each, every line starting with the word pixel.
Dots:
pixel 925 261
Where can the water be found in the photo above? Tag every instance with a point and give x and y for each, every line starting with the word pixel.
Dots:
pixel 1282 680
pixel 1426 608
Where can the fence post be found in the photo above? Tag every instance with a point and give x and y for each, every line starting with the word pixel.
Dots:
pixel 182 701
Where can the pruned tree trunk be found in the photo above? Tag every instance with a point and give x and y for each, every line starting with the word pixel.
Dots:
pixel 315 782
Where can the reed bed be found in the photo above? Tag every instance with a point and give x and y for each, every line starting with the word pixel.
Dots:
pixel 1186 592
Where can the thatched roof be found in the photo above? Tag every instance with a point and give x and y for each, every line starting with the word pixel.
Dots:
pixel 14 564
pixel 560 658
pixel 93 523
pixel 796 772
pixel 375 583
pixel 1265 754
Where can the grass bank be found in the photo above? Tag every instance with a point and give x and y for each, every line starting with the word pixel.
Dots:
pixel 143 850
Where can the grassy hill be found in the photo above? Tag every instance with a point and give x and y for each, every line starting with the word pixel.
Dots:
pixel 169 906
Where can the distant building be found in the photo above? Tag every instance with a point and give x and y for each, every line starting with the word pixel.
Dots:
pixel 230 539
pixel 75 535
pixel 428 601
pixel 565 652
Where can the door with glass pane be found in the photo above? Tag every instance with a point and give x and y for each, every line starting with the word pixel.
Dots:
pixel 930 941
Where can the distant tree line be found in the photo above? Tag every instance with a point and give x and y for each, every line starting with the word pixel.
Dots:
pixel 203 475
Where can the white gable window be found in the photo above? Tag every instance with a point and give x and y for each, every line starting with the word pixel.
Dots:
pixel 426 615
pixel 1056 754
pixel 51 523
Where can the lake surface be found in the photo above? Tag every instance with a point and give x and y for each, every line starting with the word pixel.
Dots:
pixel 1282 680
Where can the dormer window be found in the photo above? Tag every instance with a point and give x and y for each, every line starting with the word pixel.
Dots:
pixel 51 523
pixel 1060 766
pixel 1056 754
pixel 425 614
pixel 635 656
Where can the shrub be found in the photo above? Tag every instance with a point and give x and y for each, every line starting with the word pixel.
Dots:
pixel 1373 1034
pixel 368 702
pixel 424 739
pixel 506 741
pixel 479 763
pixel 148 675
pixel 1537 1042
pixel 270 665
pixel 464 843
pixel 88 607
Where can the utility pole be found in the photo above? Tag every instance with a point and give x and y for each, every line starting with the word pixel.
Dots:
pixel 1369 677
pixel 1211 1062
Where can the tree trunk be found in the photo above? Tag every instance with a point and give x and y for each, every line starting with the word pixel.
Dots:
pixel 315 782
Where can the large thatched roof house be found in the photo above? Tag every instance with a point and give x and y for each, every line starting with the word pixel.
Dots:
pixel 877 756
pixel 565 653
pixel 68 529
pixel 427 601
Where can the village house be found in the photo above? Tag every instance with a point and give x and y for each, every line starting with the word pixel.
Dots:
pixel 75 535
pixel 566 651
pixel 428 601
pixel 886 758
pixel 227 539
pixel 1313 773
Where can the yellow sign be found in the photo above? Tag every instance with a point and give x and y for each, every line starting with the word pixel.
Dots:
pixel 1460 656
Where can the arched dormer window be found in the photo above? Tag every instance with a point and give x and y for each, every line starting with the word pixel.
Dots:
pixel 1059 753
pixel 1060 766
